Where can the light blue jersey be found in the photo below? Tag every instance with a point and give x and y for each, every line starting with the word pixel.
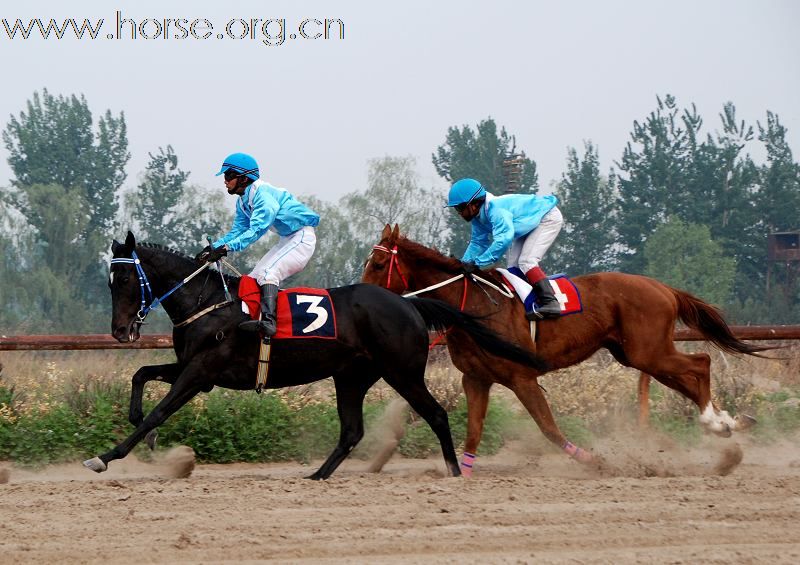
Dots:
pixel 503 219
pixel 261 207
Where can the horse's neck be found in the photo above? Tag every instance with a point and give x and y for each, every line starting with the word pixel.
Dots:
pixel 425 276
pixel 165 271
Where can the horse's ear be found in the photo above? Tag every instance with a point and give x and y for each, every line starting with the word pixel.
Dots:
pixel 115 245
pixel 396 231
pixel 387 231
pixel 130 241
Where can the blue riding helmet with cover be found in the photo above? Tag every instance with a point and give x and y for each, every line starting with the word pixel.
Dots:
pixel 242 163
pixel 465 191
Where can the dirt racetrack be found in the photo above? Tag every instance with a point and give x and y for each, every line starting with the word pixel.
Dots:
pixel 670 505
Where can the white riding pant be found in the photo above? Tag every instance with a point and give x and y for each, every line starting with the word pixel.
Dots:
pixel 289 256
pixel 526 252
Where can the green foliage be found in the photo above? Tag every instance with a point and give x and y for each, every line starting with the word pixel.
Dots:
pixel 155 202
pixel 477 154
pixel 684 256
pixel 66 181
pixel 394 196
pixel 53 143
pixel 223 427
pixel 779 198
pixel 587 202
pixel 420 441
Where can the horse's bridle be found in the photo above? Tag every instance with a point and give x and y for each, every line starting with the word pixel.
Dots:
pixel 146 290
pixel 392 262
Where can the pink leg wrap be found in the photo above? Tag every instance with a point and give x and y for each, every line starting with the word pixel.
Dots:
pixel 577 453
pixel 467 461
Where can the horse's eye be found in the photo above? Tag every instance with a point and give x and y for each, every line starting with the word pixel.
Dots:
pixel 378 266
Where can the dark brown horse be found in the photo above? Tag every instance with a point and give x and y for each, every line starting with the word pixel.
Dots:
pixel 631 316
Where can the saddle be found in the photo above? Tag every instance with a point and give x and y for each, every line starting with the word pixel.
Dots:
pixel 302 312
pixel 569 298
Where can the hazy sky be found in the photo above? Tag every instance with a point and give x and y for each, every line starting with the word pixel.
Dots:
pixel 313 112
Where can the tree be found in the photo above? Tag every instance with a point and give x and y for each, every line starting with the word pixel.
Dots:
pixel 154 204
pixel 339 257
pixel 394 195
pixel 586 200
pixel 684 256
pixel 655 184
pixel 67 179
pixel 53 143
pixel 478 154
pixel 778 199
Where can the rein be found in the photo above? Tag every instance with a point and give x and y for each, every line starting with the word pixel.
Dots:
pixel 394 261
pixel 147 292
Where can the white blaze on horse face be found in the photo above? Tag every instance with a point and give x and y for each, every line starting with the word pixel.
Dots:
pixel 111 277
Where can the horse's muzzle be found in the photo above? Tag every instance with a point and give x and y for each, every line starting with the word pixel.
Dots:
pixel 126 334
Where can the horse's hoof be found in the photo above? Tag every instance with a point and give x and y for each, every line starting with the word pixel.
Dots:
pixel 151 438
pixel 95 464
pixel 724 430
pixel 744 422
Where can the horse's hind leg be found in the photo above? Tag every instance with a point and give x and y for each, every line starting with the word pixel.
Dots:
pixel 690 375
pixel 411 386
pixel 530 394
pixel 351 387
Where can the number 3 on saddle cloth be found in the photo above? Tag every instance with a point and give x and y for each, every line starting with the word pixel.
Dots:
pixel 301 312
pixel 563 288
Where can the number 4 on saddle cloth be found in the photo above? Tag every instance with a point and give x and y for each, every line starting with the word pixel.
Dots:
pixel 301 312
pixel 563 288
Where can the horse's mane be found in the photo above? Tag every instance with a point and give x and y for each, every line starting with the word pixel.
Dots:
pixel 429 255
pixel 180 255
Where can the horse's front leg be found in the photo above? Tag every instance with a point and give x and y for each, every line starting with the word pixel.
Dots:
pixel 181 392
pixel 167 373
pixel 527 389
pixel 477 392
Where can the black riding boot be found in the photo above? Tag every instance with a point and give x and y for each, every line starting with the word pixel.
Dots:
pixel 547 301
pixel 268 324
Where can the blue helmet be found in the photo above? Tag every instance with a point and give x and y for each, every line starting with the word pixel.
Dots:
pixel 242 163
pixel 465 191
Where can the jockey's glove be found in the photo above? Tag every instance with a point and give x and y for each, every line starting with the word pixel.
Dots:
pixel 468 267
pixel 211 254
pixel 203 254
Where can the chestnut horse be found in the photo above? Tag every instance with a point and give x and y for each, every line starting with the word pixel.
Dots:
pixel 632 316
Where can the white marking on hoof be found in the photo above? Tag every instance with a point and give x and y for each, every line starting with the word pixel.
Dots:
pixel 95 464
pixel 719 422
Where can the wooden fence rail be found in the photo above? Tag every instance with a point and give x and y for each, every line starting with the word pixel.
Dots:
pixel 164 341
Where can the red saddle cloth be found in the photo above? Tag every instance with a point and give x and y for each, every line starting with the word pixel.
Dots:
pixel 302 312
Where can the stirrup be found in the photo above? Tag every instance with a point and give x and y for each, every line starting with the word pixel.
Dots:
pixel 533 316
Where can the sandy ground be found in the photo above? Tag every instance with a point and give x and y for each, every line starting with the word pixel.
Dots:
pixel 654 503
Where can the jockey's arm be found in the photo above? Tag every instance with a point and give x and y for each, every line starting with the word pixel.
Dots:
pixel 502 236
pixel 265 210
pixel 478 243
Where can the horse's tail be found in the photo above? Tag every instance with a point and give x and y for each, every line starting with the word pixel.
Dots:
pixel 708 320
pixel 440 316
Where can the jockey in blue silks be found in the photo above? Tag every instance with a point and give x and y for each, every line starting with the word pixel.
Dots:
pixel 261 207
pixel 526 223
